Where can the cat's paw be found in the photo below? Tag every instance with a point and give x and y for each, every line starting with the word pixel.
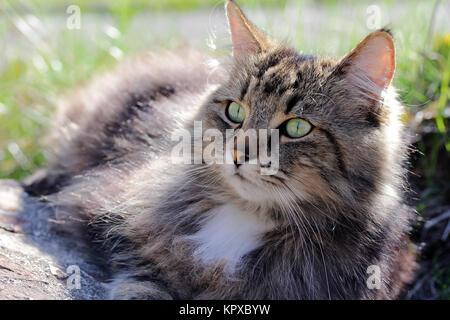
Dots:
pixel 126 288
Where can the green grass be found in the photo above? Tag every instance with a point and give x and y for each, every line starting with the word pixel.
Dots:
pixel 127 5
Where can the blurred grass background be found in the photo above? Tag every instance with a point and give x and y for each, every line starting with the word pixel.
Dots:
pixel 40 58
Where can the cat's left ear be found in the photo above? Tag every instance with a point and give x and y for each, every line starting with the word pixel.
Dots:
pixel 247 38
pixel 371 64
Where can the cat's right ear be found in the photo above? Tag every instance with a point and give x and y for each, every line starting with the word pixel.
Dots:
pixel 247 38
pixel 371 64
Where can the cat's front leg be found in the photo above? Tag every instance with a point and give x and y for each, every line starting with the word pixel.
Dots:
pixel 130 287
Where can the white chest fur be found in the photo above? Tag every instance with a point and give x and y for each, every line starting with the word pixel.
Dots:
pixel 227 235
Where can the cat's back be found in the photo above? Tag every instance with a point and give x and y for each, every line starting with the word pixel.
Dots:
pixel 130 109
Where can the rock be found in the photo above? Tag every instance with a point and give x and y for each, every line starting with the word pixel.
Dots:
pixel 36 261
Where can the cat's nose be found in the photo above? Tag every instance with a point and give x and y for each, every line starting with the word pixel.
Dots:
pixel 239 157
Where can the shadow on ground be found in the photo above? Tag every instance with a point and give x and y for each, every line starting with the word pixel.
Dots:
pixel 37 261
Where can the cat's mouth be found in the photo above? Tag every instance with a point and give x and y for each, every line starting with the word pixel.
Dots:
pixel 240 176
pixel 247 183
pixel 244 186
pixel 251 181
pixel 270 180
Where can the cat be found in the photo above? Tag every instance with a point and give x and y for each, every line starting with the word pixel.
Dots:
pixel 330 223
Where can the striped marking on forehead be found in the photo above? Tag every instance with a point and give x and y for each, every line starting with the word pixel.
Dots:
pixel 283 57
pixel 280 73
pixel 272 61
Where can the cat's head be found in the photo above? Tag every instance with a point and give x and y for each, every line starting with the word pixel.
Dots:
pixel 337 118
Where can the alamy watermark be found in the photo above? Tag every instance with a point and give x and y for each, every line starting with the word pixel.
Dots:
pixel 373 21
pixel 74 20
pixel 73 281
pixel 237 147
pixel 374 279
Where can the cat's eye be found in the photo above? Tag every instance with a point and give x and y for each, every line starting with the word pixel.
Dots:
pixel 297 128
pixel 235 112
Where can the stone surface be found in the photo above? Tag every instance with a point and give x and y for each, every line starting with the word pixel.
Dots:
pixel 37 261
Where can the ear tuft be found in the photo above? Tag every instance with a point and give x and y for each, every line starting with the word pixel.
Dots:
pixel 247 38
pixel 372 59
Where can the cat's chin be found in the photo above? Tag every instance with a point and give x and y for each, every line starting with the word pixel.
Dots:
pixel 248 185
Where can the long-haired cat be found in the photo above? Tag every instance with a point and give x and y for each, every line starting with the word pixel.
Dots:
pixel 329 224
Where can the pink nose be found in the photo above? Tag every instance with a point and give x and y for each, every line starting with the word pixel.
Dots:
pixel 238 156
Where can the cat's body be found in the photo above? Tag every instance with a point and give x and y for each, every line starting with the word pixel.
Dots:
pixel 140 96
pixel 331 218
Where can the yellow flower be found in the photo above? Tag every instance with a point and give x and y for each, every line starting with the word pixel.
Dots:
pixel 446 39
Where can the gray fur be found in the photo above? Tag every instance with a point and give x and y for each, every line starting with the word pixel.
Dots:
pixel 336 203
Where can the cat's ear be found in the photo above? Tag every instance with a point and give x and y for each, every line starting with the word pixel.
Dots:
pixel 247 38
pixel 371 64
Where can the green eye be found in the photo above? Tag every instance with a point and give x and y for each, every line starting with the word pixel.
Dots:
pixel 236 113
pixel 297 128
